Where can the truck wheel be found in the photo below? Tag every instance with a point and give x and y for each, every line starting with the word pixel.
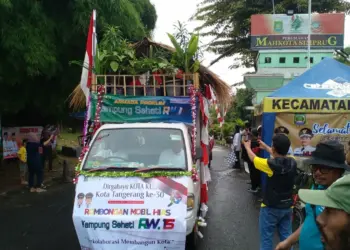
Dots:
pixel 192 239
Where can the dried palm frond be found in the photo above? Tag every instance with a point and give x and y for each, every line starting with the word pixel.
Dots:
pixel 77 98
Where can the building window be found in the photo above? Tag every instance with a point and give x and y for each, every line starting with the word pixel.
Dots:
pixel 311 60
pixel 267 59
pixel 295 59
pixel 282 60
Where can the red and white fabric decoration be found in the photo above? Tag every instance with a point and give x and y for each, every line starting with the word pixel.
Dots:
pixel 90 52
pixel 213 101
pixel 205 142
pixel 86 74
pixel 205 173
pixel 223 118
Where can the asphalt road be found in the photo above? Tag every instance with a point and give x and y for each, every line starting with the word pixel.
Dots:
pixel 44 221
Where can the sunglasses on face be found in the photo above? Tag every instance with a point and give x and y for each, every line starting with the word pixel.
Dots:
pixel 322 169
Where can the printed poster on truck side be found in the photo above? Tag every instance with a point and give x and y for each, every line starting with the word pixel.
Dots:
pixel 131 213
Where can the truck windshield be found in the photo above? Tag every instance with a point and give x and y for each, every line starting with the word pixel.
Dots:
pixel 137 148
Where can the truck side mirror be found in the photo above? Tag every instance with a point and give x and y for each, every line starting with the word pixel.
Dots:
pixel 199 153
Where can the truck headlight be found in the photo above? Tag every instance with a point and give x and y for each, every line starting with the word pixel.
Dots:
pixel 190 202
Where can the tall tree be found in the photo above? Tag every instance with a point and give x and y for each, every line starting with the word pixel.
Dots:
pixel 40 38
pixel 229 22
pixel 242 100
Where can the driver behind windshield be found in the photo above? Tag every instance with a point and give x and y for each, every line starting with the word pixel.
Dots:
pixel 175 155
pixel 112 148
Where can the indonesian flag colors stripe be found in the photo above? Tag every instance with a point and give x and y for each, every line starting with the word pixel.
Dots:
pixel 214 101
pixel 223 118
pixel 168 186
pixel 86 74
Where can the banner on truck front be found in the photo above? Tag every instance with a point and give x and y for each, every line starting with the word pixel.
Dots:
pixel 131 213
pixel 143 109
pixel 305 131
pixel 12 139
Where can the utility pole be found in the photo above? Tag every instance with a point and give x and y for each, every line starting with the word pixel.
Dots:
pixel 309 38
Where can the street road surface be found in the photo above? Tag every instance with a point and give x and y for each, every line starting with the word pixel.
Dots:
pixel 44 221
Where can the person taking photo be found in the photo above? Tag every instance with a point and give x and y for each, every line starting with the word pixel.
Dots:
pixel 276 208
pixel 236 147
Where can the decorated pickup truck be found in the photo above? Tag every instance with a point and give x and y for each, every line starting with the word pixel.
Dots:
pixel 142 178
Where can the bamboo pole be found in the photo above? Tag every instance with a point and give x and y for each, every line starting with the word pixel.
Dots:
pixel 164 87
pixel 154 85
pixel 115 85
pixel 184 84
pixel 196 81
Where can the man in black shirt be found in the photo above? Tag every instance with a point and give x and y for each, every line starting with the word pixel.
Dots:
pixel 253 172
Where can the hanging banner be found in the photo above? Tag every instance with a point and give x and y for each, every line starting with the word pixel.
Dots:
pixel 12 139
pixel 281 31
pixel 143 109
pixel 131 213
pixel 306 130
pixel 306 105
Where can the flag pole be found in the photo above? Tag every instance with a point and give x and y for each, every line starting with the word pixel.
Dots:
pixel 93 79
pixel 309 38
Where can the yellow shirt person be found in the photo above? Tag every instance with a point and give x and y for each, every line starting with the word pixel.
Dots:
pixel 22 154
pixel 275 212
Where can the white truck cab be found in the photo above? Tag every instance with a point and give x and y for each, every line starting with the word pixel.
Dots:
pixel 157 146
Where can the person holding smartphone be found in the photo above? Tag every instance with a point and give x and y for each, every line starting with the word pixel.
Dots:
pixel 48 137
pixel 237 146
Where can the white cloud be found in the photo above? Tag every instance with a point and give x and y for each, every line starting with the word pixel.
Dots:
pixel 170 11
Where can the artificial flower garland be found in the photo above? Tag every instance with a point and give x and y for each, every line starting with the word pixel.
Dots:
pixel 100 95
pixel 151 174
pixel 86 121
pixel 193 94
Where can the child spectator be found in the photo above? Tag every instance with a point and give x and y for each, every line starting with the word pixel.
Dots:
pixel 22 156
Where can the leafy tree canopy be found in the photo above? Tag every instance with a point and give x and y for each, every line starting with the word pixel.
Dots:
pixel 229 22
pixel 40 38
pixel 243 99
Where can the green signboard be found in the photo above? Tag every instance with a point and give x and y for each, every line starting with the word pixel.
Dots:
pixel 143 109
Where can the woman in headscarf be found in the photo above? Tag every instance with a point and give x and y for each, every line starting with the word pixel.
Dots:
pixel 34 150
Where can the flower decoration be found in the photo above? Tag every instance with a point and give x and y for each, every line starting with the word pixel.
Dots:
pixel 152 174
pixel 86 121
pixel 194 117
pixel 194 174
pixel 100 95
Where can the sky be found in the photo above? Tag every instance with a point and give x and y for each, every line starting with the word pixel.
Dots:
pixel 171 11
